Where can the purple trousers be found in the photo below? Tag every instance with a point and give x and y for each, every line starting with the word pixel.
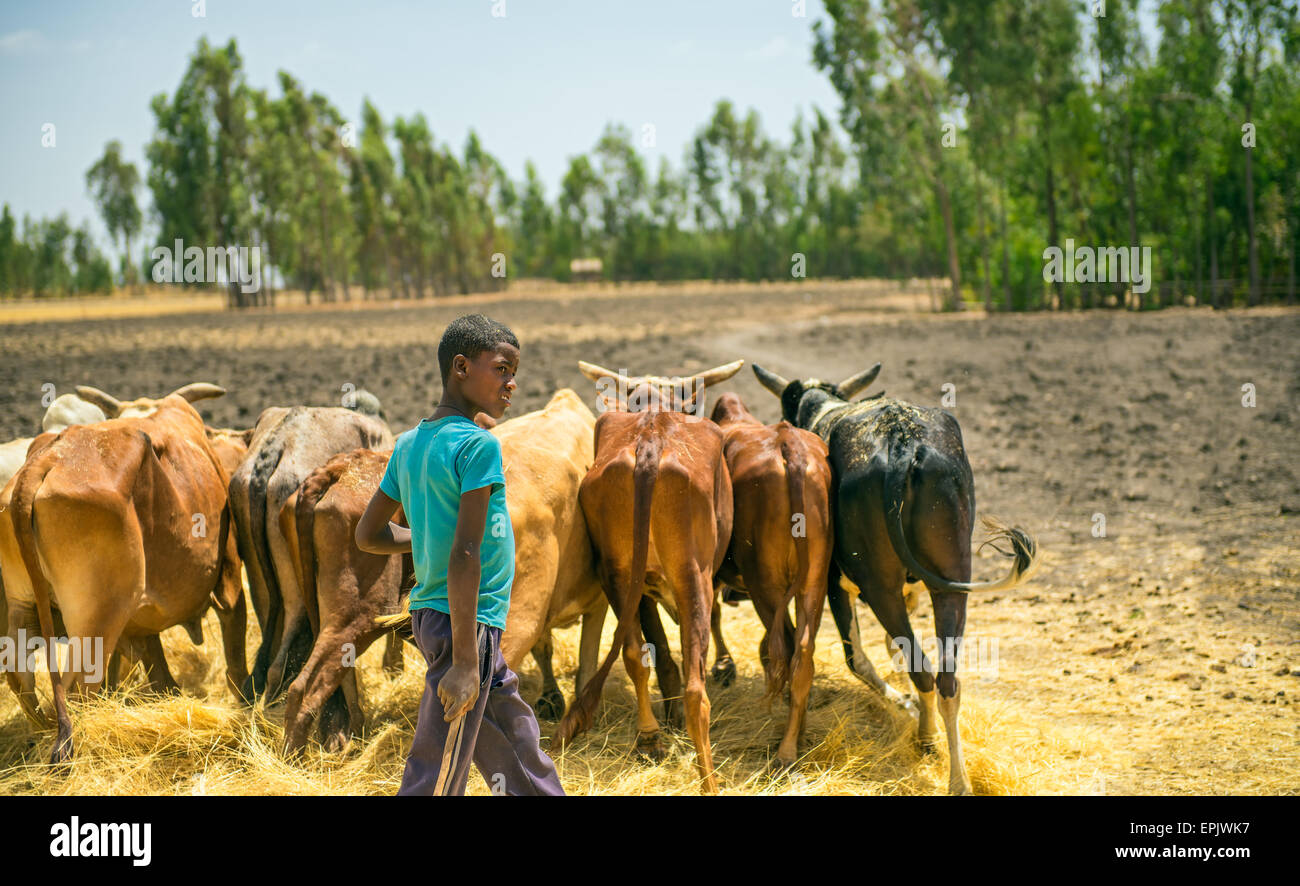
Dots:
pixel 499 733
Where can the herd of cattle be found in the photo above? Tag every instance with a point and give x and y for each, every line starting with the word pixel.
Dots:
pixel 124 519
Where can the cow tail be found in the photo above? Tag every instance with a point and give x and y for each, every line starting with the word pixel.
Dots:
pixel 1024 549
pixel 267 460
pixel 779 649
pixel 309 495
pixel 579 717
pixel 29 480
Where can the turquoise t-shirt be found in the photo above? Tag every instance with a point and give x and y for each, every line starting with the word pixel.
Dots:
pixel 432 465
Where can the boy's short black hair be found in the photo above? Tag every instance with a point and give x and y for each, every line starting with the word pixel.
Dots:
pixel 471 335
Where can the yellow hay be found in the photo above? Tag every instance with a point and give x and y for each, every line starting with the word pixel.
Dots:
pixel 130 743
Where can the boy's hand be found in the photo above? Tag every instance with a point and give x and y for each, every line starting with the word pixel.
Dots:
pixel 458 690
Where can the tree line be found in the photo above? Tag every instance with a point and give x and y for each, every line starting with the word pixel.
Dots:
pixel 970 139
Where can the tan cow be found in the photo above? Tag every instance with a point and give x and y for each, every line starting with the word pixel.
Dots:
pixel 658 506
pixel 124 527
pixel 545 455
pixel 780 546
pixel 65 411
pixel 231 447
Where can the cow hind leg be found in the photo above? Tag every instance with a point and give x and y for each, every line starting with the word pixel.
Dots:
pixel 97 613
pixel 724 666
pixel 234 628
pixel 670 679
pixel 22 679
pixel 113 677
pixel 648 744
pixel 940 538
pixel 949 624
pixel 882 588
pixel 550 704
pixel 808 616
pixel 158 675
pixel 695 605
pixel 765 607
pixel 295 649
pixel 232 614
pixel 593 622
pixel 314 693
pixel 855 651
pixel 341 717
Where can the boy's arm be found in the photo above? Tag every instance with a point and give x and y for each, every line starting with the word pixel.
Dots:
pixel 376 534
pixel 459 687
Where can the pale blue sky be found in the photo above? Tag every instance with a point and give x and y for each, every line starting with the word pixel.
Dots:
pixel 540 83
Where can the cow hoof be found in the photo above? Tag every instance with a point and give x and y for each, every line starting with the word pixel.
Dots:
pixel 929 745
pixel 724 672
pixel 649 748
pixel 550 706
pixel 962 790
pixel 61 756
pixel 336 742
pixel 778 768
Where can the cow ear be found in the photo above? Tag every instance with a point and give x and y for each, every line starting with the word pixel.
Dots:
pixel 111 405
pixel 199 391
pixel 770 380
pixel 855 383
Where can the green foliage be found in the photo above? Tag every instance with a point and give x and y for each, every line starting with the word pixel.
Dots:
pixel 113 182
pixel 970 138
pixel 50 258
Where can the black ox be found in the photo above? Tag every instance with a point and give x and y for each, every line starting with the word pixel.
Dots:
pixel 903 507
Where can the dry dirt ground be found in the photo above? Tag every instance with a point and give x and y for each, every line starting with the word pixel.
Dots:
pixel 1161 657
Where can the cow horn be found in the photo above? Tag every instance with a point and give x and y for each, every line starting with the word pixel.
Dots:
pixel 199 390
pixel 770 380
pixel 855 383
pixel 596 373
pixel 107 402
pixel 718 373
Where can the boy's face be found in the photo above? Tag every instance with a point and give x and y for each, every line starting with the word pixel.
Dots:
pixel 488 380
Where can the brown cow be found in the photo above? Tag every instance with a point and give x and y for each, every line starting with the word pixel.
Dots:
pixel 545 455
pixel 288 443
pixel 780 546
pixel 658 507
pixel 124 526
pixel 344 589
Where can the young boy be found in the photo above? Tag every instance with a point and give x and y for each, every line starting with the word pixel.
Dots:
pixel 446 474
